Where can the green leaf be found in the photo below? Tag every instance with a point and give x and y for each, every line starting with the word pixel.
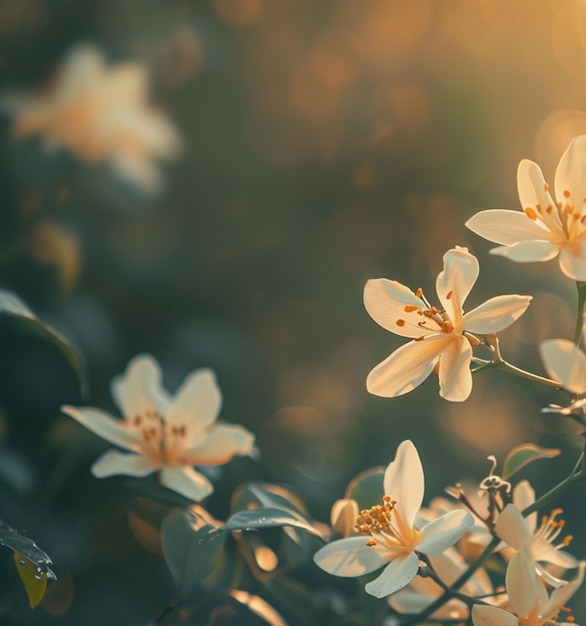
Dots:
pixel 254 495
pixel 524 454
pixel 193 554
pixel 269 517
pixel 12 306
pixel 367 488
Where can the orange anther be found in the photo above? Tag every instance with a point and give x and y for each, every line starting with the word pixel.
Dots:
pixel 530 213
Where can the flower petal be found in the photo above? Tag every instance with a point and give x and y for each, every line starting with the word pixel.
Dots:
pixel 573 261
pixel 196 404
pixel 560 596
pixel 455 377
pixel 513 529
pixel 526 592
pixel 444 531
pixel 113 430
pixel 404 482
pixel 570 176
pixel 496 314
pixel 454 283
pixel 528 251
pixel 506 227
pixel 386 300
pixel 187 482
pixel 564 361
pixel 407 367
pixel 396 575
pixel 535 197
pixel 139 389
pixel 349 557
pixel 114 462
pixel 524 496
pixel 222 442
pixel 484 615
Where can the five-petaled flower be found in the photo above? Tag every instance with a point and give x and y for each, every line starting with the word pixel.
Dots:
pixel 528 598
pixel 170 434
pixel 101 114
pixel 442 337
pixel 545 228
pixel 393 537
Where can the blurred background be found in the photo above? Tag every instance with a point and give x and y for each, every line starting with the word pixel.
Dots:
pixel 304 147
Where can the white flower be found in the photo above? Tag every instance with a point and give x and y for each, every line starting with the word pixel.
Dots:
pixel 392 540
pixel 165 433
pixel 545 228
pixel 441 336
pixel 564 361
pixel 100 114
pixel 528 597
pixel 524 533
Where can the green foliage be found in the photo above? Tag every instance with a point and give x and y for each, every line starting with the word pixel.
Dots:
pixel 193 555
pixel 524 454
pixel 367 487
pixel 12 306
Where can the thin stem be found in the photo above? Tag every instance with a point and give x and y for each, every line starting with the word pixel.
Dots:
pixel 517 371
pixel 581 287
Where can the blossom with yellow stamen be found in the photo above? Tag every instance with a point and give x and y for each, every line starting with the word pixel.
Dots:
pixel 442 338
pixel 389 534
pixel 545 229
pixel 529 601
pixel 170 434
pixel 537 538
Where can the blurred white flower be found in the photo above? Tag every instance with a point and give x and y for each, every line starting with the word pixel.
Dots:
pixel 393 539
pixel 170 434
pixel 545 229
pixel 529 601
pixel 101 114
pixel 564 361
pixel 441 336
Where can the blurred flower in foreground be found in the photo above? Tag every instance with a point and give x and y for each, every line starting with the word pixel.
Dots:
pixel 528 597
pixel 545 228
pixel 165 433
pixel 393 540
pixel 441 337
pixel 564 361
pixel 101 115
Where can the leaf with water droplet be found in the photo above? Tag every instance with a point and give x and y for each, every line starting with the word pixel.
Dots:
pixel 269 517
pixel 33 578
pixel 524 454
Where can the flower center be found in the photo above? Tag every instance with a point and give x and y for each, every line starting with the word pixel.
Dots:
pixel 550 529
pixel 566 215
pixel 429 312
pixel 160 439
pixel 384 527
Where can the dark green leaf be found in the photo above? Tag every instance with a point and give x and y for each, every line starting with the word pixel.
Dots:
pixel 270 517
pixel 254 495
pixel 193 554
pixel 367 488
pixel 12 306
